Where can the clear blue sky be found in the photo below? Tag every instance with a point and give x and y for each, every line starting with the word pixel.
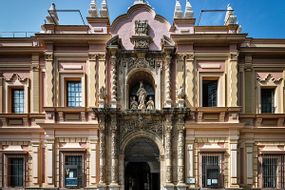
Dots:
pixel 259 18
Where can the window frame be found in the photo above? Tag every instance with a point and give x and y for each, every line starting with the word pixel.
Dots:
pixel 7 158
pixel 220 77
pixel 279 167
pixel 273 99
pixel 66 81
pixel 11 99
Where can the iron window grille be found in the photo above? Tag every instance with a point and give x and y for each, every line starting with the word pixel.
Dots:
pixel 18 104
pixel 212 170
pixel 16 171
pixel 74 95
pixel 273 171
pixel 73 171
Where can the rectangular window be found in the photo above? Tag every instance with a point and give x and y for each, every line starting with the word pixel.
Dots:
pixel 73 172
pixel 16 172
pixel 18 99
pixel 273 171
pixel 212 170
pixel 267 100
pixel 210 88
pixel 74 95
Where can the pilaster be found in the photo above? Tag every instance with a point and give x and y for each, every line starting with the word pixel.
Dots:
pixel 232 86
pixel 1 93
pixel 35 164
pixel 249 99
pixel 102 79
pixel 249 164
pixel 49 80
pixel 35 91
pixel 49 163
pixel 190 162
pixel 189 82
pixel 91 80
pixel 180 80
pixel 233 164
pixel 93 161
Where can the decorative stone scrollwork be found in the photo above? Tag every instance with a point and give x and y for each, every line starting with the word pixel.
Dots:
pixel 92 56
pixel 128 126
pixel 103 93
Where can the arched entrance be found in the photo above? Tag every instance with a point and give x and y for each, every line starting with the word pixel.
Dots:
pixel 142 165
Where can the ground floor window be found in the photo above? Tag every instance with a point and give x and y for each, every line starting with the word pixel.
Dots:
pixel 212 170
pixel 73 171
pixel 273 171
pixel 15 171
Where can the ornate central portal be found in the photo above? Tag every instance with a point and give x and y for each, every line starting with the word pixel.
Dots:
pixel 142 165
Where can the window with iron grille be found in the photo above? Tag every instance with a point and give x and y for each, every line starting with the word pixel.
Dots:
pixel 74 95
pixel 210 88
pixel 73 171
pixel 212 170
pixel 273 171
pixel 15 172
pixel 267 100
pixel 18 101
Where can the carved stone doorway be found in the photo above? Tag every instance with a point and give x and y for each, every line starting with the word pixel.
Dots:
pixel 142 165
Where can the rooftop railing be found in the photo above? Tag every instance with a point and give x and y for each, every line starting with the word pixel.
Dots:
pixel 16 34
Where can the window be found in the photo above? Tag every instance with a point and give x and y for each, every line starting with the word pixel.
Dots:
pixel 18 101
pixel 73 171
pixel 273 171
pixel 210 88
pixel 267 100
pixel 16 172
pixel 212 170
pixel 74 95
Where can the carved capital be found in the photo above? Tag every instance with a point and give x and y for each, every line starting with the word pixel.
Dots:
pixel 101 57
pixel 48 56
pixel 92 57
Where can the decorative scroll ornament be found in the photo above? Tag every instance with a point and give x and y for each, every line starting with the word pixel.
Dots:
pixel 269 78
pixel 133 63
pixel 140 123
pixel 141 39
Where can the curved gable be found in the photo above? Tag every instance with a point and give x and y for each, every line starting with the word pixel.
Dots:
pixel 124 26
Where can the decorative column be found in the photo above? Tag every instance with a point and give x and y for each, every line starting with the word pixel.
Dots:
pixel 92 163
pixel 249 95
pixel 168 153
pixel 180 153
pixel 102 79
pixel 167 93
pixel 190 76
pixel 113 60
pixel 91 80
pixel 114 155
pixel 49 80
pixel 232 97
pixel 102 179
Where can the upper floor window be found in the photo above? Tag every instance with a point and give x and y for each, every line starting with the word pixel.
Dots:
pixel 267 100
pixel 210 89
pixel 74 93
pixel 18 105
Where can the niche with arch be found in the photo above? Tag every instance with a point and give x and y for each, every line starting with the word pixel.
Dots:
pixel 141 82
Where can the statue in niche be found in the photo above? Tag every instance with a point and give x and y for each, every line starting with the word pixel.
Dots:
pixel 134 103
pixel 150 104
pixel 141 93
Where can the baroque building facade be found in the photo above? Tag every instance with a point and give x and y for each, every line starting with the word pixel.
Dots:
pixel 142 104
